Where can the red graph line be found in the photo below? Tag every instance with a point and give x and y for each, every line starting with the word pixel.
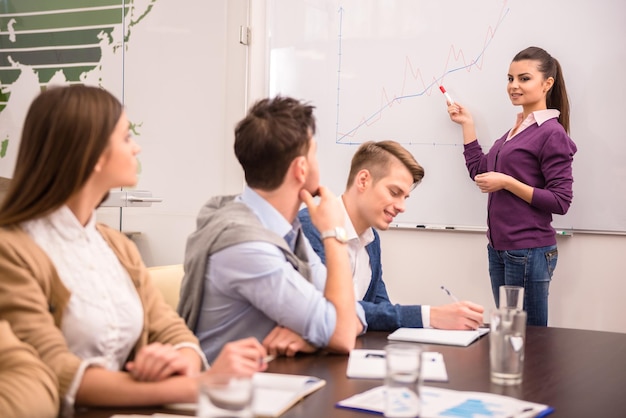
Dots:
pixel 414 77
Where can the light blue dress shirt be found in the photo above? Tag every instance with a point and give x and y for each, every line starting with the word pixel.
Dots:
pixel 250 288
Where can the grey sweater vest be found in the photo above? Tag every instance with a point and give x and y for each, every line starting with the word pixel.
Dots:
pixel 222 222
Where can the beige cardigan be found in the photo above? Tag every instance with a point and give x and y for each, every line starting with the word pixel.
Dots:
pixel 33 298
pixel 27 387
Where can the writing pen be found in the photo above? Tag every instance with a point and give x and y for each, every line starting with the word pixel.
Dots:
pixel 267 359
pixel 445 93
pixel 375 355
pixel 454 298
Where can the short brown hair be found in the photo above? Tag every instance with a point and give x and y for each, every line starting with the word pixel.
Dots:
pixel 273 133
pixel 65 132
pixel 376 157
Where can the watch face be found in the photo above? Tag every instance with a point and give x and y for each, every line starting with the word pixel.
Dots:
pixel 338 233
pixel 341 234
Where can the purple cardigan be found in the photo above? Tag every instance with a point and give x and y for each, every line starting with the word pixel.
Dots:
pixel 540 156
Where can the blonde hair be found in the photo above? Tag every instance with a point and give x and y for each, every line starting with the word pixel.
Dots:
pixel 376 157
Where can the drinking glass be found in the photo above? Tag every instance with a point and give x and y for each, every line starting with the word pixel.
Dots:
pixel 225 395
pixel 506 345
pixel 402 380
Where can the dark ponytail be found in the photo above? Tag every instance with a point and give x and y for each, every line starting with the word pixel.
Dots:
pixel 556 97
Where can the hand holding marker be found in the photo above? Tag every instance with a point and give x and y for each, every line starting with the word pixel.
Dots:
pixel 445 93
pixel 449 99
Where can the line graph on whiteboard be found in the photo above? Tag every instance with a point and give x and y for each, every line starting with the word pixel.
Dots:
pixel 389 71
pixel 372 69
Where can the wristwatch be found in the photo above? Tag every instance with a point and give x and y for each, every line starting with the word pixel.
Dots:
pixel 338 233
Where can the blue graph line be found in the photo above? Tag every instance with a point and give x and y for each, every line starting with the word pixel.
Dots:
pixel 339 66
pixel 340 137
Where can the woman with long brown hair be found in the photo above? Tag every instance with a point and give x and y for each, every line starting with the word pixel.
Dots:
pixel 78 291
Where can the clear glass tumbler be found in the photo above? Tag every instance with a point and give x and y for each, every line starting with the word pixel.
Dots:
pixel 402 380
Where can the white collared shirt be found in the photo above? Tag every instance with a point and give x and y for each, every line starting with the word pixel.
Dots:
pixel 360 262
pixel 359 258
pixel 104 316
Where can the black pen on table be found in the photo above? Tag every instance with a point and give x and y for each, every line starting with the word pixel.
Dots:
pixel 454 298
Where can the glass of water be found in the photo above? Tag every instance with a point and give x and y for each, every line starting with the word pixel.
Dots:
pixel 402 380
pixel 507 341
pixel 225 395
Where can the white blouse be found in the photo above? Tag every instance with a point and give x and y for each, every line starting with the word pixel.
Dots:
pixel 104 317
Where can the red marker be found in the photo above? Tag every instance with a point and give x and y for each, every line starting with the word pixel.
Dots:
pixel 445 93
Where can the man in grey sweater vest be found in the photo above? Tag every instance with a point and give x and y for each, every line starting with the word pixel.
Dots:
pixel 249 270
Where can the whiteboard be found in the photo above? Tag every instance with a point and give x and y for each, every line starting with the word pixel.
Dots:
pixel 372 69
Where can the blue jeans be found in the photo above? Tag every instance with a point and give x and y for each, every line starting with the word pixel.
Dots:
pixel 530 268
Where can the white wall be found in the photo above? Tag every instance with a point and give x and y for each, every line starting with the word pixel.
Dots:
pixel 186 82
pixel 587 290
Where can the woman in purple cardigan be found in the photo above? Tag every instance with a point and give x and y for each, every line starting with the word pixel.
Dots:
pixel 528 175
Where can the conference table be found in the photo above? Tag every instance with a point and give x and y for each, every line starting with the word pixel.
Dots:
pixel 580 373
